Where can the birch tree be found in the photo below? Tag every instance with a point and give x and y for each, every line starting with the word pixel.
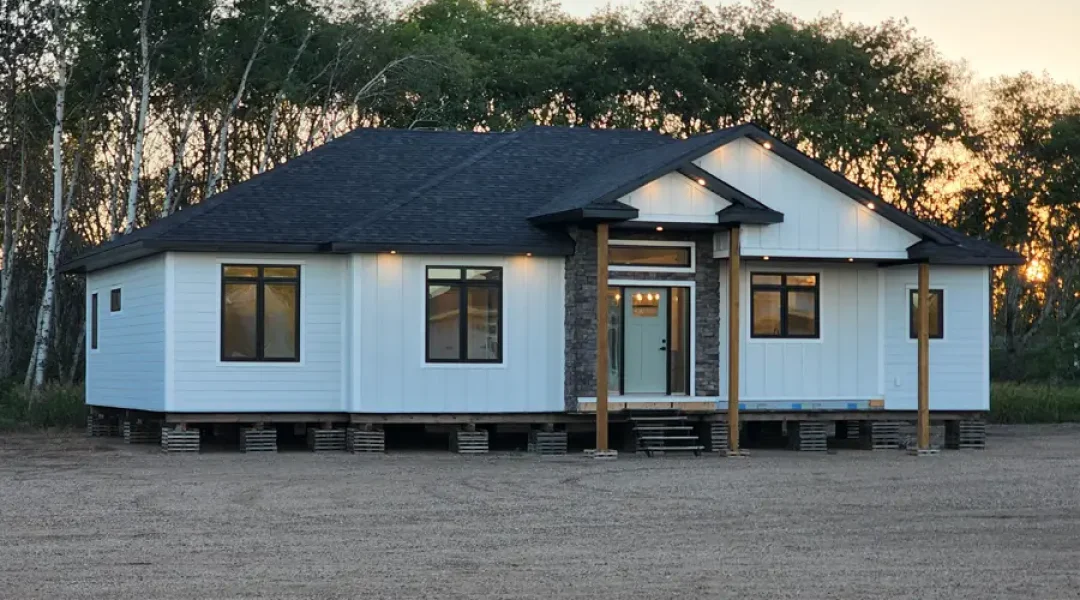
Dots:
pixel 218 170
pixel 35 373
pixel 140 120
pixel 279 99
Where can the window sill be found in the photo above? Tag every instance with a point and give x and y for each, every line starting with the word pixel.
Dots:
pixel 463 365
pixel 783 340
pixel 260 363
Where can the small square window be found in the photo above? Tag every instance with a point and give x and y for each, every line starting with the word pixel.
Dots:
pixel 784 305
pixel 114 300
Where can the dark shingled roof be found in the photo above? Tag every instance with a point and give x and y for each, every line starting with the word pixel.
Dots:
pixel 375 190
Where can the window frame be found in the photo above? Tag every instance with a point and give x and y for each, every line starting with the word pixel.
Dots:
pixel 690 246
pixel 783 288
pixel 260 281
pixel 116 299
pixel 94 324
pixel 913 333
pixel 463 284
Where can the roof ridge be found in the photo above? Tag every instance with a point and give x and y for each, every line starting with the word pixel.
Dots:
pixel 434 181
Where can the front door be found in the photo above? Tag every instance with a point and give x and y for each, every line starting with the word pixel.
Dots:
pixel 646 343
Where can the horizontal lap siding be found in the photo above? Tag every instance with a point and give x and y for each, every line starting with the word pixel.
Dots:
pixel 128 368
pixel 841 365
pixel 818 219
pixel 389 373
pixel 959 363
pixel 204 384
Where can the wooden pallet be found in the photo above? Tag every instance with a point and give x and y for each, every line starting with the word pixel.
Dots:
pixel 965 435
pixel 179 440
pixel 326 440
pixel 547 443
pixel 880 435
pixel 102 426
pixel 469 442
pixel 808 436
pixel 718 436
pixel 852 428
pixel 258 439
pixel 365 441
pixel 142 433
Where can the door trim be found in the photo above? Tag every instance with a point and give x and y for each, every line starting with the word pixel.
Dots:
pixel 693 322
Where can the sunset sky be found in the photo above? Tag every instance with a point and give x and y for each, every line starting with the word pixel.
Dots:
pixel 995 37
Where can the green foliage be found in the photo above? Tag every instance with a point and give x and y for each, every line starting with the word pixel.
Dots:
pixel 54 406
pixel 1034 403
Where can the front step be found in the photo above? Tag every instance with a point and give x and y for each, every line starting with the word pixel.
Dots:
pixel 658 433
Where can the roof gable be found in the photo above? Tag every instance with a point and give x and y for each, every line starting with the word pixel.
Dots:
pixel 819 219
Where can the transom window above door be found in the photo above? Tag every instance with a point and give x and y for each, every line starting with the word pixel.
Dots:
pixel 784 305
pixel 643 255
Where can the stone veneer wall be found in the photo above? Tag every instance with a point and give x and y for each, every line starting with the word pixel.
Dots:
pixel 581 310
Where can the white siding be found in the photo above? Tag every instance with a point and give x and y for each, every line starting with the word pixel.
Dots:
pixel 840 366
pixel 202 383
pixel 389 372
pixel 959 363
pixel 128 368
pixel 675 198
pixel 819 221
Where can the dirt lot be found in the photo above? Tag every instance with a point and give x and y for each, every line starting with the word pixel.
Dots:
pixel 86 518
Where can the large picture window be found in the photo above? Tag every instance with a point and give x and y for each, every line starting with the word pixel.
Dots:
pixel 464 315
pixel 260 313
pixel 784 305
pixel 937 315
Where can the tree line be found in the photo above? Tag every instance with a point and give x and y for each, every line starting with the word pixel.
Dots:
pixel 115 113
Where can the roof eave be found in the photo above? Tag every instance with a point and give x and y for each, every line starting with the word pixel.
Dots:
pixel 413 248
pixel 586 215
pixel 937 254
pixel 738 215
pixel 118 255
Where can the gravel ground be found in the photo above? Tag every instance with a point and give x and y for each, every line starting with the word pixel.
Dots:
pixel 86 518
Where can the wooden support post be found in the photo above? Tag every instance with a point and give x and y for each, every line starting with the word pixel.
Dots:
pixel 601 337
pixel 923 315
pixel 733 340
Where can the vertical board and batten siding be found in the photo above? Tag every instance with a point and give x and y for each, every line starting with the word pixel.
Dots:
pixel 675 198
pixel 389 370
pixel 842 365
pixel 128 368
pixel 960 362
pixel 819 221
pixel 203 383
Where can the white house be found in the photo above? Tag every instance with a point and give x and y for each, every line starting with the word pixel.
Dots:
pixel 451 273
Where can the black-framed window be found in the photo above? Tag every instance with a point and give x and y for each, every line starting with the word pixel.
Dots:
pixel 785 305
pixel 260 313
pixel 93 322
pixel 114 300
pixel 649 256
pixel 937 314
pixel 464 315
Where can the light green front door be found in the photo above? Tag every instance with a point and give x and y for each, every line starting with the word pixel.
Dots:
pixel 646 332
